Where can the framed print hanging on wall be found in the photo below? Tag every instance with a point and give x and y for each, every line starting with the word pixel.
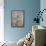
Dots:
pixel 17 18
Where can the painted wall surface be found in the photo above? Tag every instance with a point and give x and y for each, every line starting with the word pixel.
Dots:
pixel 30 7
pixel 43 6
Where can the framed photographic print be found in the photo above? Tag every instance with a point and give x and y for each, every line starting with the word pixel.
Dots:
pixel 17 18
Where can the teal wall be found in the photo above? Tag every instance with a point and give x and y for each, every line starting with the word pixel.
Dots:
pixel 43 6
pixel 30 7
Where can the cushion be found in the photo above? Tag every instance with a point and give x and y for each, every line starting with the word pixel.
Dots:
pixel 20 42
